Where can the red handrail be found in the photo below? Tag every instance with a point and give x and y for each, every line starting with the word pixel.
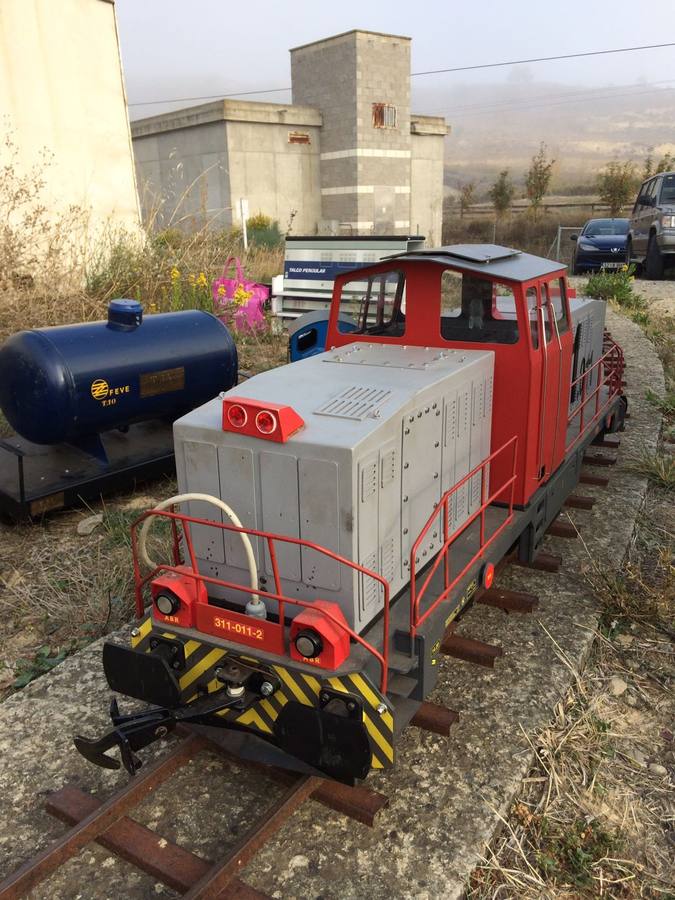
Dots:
pixel 276 595
pixel 610 368
pixel 448 539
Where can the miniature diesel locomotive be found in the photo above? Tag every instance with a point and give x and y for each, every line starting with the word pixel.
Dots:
pixel 337 513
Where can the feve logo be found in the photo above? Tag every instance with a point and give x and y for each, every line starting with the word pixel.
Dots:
pixel 99 389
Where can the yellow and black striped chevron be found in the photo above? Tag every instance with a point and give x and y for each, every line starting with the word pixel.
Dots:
pixel 202 659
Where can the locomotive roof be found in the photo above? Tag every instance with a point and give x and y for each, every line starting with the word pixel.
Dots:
pixel 487 259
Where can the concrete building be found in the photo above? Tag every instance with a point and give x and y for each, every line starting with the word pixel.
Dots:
pixel 62 91
pixel 345 157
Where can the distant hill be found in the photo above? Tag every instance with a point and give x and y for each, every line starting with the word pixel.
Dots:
pixel 501 125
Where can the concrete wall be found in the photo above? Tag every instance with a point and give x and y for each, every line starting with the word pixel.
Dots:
pixel 196 164
pixel 426 177
pixel 278 177
pixel 61 88
pixel 183 176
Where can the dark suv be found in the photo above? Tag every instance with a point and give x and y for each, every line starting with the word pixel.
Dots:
pixel 651 235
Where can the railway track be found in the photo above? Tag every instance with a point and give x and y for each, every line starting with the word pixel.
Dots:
pixel 110 824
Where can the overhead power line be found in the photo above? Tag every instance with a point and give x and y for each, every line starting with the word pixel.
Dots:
pixel 208 97
pixel 536 59
pixel 493 65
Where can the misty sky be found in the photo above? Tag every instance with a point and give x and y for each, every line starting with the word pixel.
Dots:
pixel 174 48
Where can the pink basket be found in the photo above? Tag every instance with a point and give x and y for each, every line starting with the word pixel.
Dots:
pixel 238 301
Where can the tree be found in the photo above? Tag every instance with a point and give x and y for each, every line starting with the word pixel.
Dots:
pixel 648 167
pixel 466 193
pixel 665 164
pixel 501 193
pixel 538 178
pixel 616 185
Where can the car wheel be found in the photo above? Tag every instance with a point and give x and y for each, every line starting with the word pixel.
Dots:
pixel 629 251
pixel 653 261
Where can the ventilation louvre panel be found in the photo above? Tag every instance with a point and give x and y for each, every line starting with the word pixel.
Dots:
pixel 356 402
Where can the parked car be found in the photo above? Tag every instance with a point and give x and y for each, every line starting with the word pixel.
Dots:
pixel 651 236
pixel 601 244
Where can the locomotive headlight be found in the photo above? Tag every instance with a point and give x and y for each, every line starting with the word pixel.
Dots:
pixel 308 644
pixel 167 604
pixel 266 422
pixel 237 416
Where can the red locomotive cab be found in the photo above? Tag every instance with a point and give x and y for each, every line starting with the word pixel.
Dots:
pixel 478 297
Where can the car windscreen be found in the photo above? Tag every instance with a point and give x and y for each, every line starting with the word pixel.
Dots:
pixel 606 226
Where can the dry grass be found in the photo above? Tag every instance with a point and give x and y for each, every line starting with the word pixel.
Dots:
pixel 658 467
pixel 519 230
pixel 53 271
pixel 59 589
pixel 594 817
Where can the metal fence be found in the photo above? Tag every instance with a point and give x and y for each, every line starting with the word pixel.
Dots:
pixel 562 247
pixel 593 207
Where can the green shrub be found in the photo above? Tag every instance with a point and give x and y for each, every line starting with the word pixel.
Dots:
pixel 258 222
pixel 617 287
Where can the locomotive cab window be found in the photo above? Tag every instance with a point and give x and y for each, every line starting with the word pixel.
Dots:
pixel 558 298
pixel 477 310
pixel 531 299
pixel 374 305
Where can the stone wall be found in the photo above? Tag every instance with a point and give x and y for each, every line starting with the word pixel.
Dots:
pixel 365 170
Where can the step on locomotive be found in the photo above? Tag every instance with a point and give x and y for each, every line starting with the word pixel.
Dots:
pixel 336 514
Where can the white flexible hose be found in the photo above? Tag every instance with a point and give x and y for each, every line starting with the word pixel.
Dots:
pixel 214 501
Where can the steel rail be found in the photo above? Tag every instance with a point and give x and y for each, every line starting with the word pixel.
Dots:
pixel 98 821
pixel 210 886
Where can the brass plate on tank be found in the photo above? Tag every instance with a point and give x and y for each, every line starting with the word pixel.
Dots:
pixel 153 383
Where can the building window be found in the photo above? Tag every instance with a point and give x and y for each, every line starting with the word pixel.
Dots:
pixel 384 115
pixel 298 137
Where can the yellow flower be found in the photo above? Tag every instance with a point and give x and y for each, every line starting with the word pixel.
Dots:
pixel 624 268
pixel 222 290
pixel 201 280
pixel 153 307
pixel 175 274
pixel 191 279
pixel 241 296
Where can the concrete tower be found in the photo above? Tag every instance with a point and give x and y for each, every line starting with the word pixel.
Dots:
pixel 360 82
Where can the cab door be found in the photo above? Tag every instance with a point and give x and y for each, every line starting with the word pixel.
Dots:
pixel 550 348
